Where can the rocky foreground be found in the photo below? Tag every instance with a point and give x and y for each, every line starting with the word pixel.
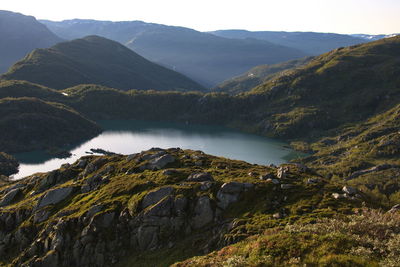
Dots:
pixel 156 208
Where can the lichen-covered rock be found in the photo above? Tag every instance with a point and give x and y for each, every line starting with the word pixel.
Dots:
pixel 55 196
pixel 203 211
pixel 155 196
pixel 9 197
pixel 200 177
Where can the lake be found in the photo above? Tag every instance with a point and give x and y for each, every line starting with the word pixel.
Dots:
pixel 128 137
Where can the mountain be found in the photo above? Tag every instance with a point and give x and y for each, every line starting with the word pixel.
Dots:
pixel 96 60
pixel 256 76
pixel 312 43
pixel 204 57
pixel 20 35
pixel 32 124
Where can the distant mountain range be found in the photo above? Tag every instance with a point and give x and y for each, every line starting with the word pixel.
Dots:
pixel 21 34
pixel 311 43
pixel 204 57
pixel 96 60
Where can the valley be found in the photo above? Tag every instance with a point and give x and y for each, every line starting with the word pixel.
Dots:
pixel 142 144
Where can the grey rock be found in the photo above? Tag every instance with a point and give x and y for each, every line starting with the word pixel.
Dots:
pixel 203 212
pixel 350 190
pixel 162 208
pixel 312 181
pixel 131 156
pixel 93 210
pixel 286 186
pixel 200 177
pixel 55 196
pixel 147 237
pixel 274 181
pixel 160 162
pixel 81 163
pixel 170 172
pixel 104 220
pixel 180 205
pixel 370 170
pixel 206 186
pixel 154 197
pixel 41 216
pixel 267 176
pixel 9 197
pixel 232 188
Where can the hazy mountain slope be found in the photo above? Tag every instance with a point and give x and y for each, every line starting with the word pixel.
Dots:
pixel 312 43
pixel 96 60
pixel 203 57
pixel 30 124
pixel 257 76
pixel 21 34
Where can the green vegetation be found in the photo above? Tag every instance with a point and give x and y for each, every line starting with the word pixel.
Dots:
pixel 34 124
pixel 257 76
pixel 8 164
pixel 99 61
pixel 368 238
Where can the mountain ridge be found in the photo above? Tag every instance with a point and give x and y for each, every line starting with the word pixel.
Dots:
pixel 96 60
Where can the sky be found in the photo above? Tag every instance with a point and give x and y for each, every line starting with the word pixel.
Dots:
pixel 339 16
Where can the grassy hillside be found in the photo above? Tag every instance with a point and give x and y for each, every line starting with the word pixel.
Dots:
pixel 96 60
pixel 257 76
pixel 20 35
pixel 30 123
pixel 343 86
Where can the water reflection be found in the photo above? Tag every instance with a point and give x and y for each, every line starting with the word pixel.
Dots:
pixel 127 137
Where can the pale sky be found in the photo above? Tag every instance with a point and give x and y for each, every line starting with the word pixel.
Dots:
pixel 339 16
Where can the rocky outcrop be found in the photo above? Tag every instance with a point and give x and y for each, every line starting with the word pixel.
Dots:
pixel 9 197
pixel 371 170
pixel 54 196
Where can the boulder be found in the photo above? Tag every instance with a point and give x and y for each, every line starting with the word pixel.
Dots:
pixel 55 196
pixel 155 196
pixel 230 193
pixel 200 177
pixel 160 162
pixel 350 190
pixel 9 197
pixel 203 212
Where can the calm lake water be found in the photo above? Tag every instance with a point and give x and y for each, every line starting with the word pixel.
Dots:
pixel 128 137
